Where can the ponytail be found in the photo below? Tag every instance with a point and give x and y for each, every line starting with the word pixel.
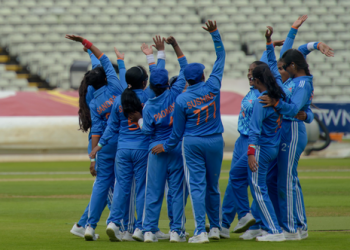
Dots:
pixel 135 77
pixel 293 55
pixel 263 73
pixel 84 110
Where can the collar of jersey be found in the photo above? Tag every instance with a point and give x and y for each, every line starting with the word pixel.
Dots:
pixel 157 98
pixel 195 86
pixel 100 91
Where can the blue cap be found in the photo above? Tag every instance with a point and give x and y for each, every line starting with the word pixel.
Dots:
pixel 194 71
pixel 159 78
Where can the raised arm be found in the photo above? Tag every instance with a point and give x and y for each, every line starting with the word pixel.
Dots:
pixel 271 57
pixel 215 77
pixel 94 61
pixel 159 45
pixel 307 48
pixel 288 44
pixel 112 79
pixel 180 82
pixel 121 66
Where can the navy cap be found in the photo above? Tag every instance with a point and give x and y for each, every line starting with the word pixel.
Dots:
pixel 159 78
pixel 194 71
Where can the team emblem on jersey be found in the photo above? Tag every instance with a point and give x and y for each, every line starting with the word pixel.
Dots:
pixel 301 84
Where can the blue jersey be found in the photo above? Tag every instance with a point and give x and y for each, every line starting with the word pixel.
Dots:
pixel 114 121
pixel 265 124
pixel 101 105
pixel 288 87
pixel 247 110
pixel 158 112
pixel 197 111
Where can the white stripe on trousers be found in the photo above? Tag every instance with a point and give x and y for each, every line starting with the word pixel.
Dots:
pixel 289 177
pixel 300 210
pixel 144 205
pixel 187 177
pixel 259 196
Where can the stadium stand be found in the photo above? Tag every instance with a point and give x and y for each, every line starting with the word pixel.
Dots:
pixel 33 33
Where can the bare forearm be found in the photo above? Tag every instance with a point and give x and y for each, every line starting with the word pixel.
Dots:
pixel 177 50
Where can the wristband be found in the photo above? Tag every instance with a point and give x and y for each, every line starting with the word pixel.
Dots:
pixel 87 43
pixel 100 145
pixel 161 54
pixel 150 59
pixel 92 160
pixel 251 150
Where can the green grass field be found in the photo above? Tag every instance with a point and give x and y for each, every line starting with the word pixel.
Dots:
pixel 39 203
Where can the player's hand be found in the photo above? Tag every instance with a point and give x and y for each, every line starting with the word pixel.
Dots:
pixel 326 50
pixel 211 26
pixel 301 116
pixel 92 169
pixel 146 50
pixel 94 151
pixel 119 55
pixel 85 49
pixel 158 149
pixel 300 21
pixel 278 43
pixel 75 38
pixel 135 117
pixel 253 165
pixel 268 33
pixel 170 40
pixel 158 43
pixel 270 102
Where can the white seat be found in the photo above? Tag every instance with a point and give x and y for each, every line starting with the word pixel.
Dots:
pixel 19 82
pixel 4 82
pixel 322 81
pixel 342 81
pixel 8 75
pixel 320 10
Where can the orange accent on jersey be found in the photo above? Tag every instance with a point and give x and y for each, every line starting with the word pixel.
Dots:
pixel 96 136
pixel 214 30
pixel 181 56
pixel 120 59
pixel 133 123
pixel 294 27
pixel 276 103
pixel 100 56
pixel 269 43
pixel 152 63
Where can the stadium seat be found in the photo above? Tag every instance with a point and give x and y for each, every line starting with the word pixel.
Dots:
pixel 345 81
pixel 4 82
pixel 8 75
pixel 19 82
pixel 322 81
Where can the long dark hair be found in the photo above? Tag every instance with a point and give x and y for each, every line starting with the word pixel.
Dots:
pixel 257 63
pixel 134 77
pixel 96 78
pixel 84 110
pixel 263 73
pixel 157 91
pixel 294 55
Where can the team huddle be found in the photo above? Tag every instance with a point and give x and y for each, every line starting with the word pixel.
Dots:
pixel 166 139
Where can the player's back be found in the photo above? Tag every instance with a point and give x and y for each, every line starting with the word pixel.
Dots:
pixel 201 103
pixel 130 134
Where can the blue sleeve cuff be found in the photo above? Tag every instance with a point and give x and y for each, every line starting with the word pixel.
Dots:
pixel 121 64
pixel 182 60
pixel 292 33
pixel 315 45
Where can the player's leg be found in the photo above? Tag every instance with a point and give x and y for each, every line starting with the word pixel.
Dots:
pixel 271 181
pixel 214 152
pixel 177 189
pixel 258 187
pixel 155 181
pixel 122 194
pixel 286 189
pixel 140 158
pixel 104 179
pixel 299 212
pixel 195 172
pixel 169 207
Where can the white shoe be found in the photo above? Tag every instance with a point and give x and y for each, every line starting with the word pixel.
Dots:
pixel 162 236
pixel 225 233
pixel 244 223
pixel 303 234
pixel 186 234
pixel 113 232
pixel 138 235
pixel 127 236
pixel 90 234
pixel 150 237
pixel 175 237
pixel 292 236
pixel 252 234
pixel 78 231
pixel 271 237
pixel 202 238
pixel 214 233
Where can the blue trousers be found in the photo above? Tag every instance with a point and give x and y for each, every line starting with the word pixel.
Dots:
pixel 161 168
pixel 131 167
pixel 236 195
pixel 202 158
pixel 263 209
pixel 290 196
pixel 84 218
pixel 105 164
pixel 169 201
